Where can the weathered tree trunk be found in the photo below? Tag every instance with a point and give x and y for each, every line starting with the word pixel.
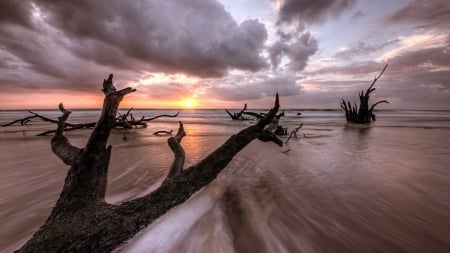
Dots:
pixel 365 114
pixel 81 220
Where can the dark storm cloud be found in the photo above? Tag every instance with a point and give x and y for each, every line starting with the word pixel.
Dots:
pixel 362 48
pixel 254 87
pixel 38 59
pixel 30 52
pixel 297 50
pixel 15 12
pixel 75 44
pixel 193 36
pixel 423 13
pixel 298 45
pixel 300 51
pixel 307 12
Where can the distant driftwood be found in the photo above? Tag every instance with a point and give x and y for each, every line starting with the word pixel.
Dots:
pixel 274 125
pixel 365 114
pixel 121 121
pixel 82 221
pixel 240 115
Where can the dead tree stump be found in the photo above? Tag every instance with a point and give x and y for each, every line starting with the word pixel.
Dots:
pixel 364 114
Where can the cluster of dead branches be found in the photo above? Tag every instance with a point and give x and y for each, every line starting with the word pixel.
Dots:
pixel 364 114
pixel 240 115
pixel 122 121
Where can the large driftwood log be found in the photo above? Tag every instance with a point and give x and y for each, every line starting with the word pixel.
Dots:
pixel 82 221
pixel 364 114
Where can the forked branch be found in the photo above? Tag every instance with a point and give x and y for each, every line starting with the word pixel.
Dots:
pixel 238 115
pixel 82 221
pixel 60 144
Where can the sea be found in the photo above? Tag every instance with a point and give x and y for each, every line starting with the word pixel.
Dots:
pixel 336 187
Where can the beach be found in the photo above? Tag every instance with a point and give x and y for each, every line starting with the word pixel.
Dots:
pixel 337 188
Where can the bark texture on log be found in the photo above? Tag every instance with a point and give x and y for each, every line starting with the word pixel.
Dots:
pixel 82 221
pixel 364 114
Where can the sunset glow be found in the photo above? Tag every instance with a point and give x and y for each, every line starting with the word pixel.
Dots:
pixel 224 53
pixel 189 103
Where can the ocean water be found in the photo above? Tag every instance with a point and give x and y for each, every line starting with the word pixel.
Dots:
pixel 336 188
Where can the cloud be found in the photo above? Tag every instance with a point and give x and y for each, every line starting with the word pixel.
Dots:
pixel 417 42
pixel 297 50
pixel 194 36
pixel 362 48
pixel 15 12
pixel 166 91
pixel 71 45
pixel 38 58
pixel 355 69
pixel 300 51
pixel 307 12
pixel 423 14
pixel 424 59
pixel 295 42
pixel 417 75
pixel 357 15
pixel 256 86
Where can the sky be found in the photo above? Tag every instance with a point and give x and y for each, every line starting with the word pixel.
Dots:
pixel 224 53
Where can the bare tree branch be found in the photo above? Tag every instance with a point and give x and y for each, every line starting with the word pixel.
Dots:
pixel 178 151
pixel 61 146
pixel 294 132
pixel 81 220
pixel 237 116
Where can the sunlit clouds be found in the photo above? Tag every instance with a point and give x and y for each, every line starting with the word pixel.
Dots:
pixel 415 43
pixel 214 53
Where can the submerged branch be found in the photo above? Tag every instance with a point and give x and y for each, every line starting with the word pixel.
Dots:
pixel 363 114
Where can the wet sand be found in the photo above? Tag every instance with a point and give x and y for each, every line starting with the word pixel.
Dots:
pixel 385 188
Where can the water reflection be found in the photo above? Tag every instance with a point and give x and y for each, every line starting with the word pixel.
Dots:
pixel 340 189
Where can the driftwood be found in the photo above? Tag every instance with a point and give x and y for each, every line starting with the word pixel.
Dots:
pixel 365 114
pixel 260 115
pixel 125 121
pixel 238 115
pixel 82 221
pixel 275 126
pixel 163 133
pixel 294 133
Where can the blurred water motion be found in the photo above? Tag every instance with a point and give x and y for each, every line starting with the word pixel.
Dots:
pixel 385 188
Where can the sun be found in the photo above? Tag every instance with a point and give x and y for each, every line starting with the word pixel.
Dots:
pixel 189 103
